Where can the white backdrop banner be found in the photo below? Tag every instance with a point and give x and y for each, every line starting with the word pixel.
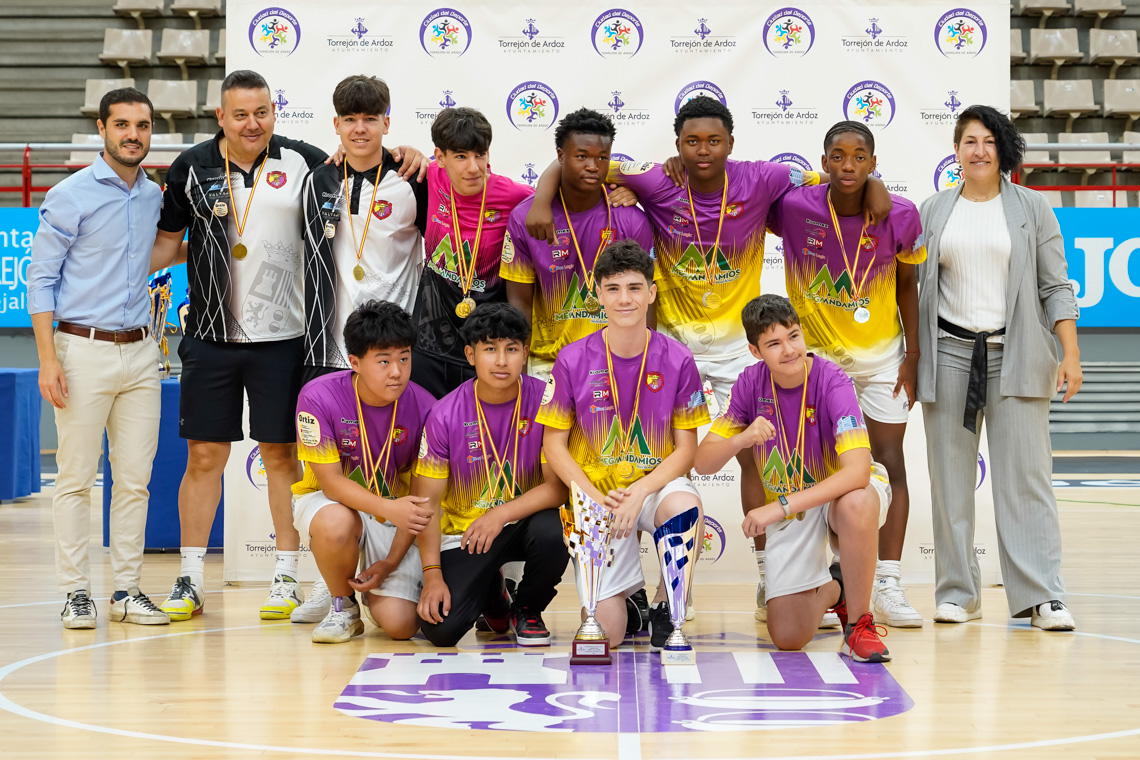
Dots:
pixel 905 69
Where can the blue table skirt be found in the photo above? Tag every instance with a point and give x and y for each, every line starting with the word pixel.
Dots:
pixel 20 408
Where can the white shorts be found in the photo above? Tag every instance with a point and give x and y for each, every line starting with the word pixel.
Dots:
pixel 624 576
pixel 540 368
pixel 376 538
pixel 718 377
pixel 796 556
pixel 876 399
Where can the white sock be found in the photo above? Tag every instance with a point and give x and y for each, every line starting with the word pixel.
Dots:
pixel 287 564
pixel 194 564
pixel 759 554
pixel 888 568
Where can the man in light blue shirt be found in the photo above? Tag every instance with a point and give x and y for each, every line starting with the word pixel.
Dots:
pixel 99 368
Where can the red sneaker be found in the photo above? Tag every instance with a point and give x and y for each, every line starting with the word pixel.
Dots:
pixel 861 641
pixel 840 608
pixel 496 617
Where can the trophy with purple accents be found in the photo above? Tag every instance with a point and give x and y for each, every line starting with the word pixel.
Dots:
pixel 676 542
pixel 587 527
pixel 159 292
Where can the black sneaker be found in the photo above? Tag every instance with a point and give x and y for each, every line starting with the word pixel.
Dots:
pixel 496 617
pixel 529 629
pixel 641 601
pixel 840 608
pixel 660 626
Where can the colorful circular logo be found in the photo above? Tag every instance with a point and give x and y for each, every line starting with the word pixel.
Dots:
pixel 792 159
pixel 960 33
pixel 871 103
pixel 948 174
pixel 617 33
pixel 274 31
pixel 445 32
pixel 532 105
pixel 713 541
pixel 789 32
pixel 255 469
pixel 696 90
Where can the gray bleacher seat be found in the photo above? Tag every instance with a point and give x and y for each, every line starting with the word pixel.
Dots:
pixel 1016 50
pixel 1101 9
pixel 1053 46
pixel 196 9
pixel 139 9
pixel 185 47
pixel 1099 198
pixel 81 158
pixel 1122 98
pixel 163 157
pixel 173 98
pixel 124 47
pixel 1054 197
pixel 1084 156
pixel 1113 46
pixel 1044 8
pixel 213 96
pixel 1071 98
pixel 1022 101
pixel 95 89
pixel 201 137
pixel 1131 156
pixel 1036 156
pixel 220 53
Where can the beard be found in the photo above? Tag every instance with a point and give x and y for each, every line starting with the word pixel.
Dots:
pixel 117 154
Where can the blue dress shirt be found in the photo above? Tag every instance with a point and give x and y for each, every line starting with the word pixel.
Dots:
pixel 91 255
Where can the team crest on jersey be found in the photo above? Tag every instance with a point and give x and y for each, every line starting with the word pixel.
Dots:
pixel 606 236
pixel 276 179
pixel 492 215
pixel 525 425
pixel 733 210
pixel 809 414
pixel 399 434
pixel 869 242
pixel 654 381
pixel 382 209
pixel 767 410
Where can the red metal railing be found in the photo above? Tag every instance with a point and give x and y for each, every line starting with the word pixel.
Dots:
pixel 27 167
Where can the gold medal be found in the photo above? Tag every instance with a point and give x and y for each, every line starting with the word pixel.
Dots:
pixel 625 470
pixel 464 308
pixel 221 209
pixel 592 304
pixel 711 300
pixel 240 251
pixel 358 272
pixel 330 231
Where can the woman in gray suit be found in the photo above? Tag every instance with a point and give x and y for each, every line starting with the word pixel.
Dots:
pixel 993 292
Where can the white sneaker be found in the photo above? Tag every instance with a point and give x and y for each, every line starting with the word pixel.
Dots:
pixel 1053 616
pixel 285 595
pixel 78 610
pixel 761 613
pixel 890 606
pixel 830 620
pixel 340 625
pixel 316 606
pixel 948 612
pixel 137 608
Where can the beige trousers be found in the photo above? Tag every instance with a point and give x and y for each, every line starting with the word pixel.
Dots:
pixel 114 387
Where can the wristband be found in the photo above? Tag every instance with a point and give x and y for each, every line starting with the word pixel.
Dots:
pixel 786 506
pixel 432 567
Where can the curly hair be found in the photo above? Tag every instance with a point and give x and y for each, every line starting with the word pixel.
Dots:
pixel 1010 144
pixel 493 321
pixel 584 121
pixel 621 257
pixel 702 107
pixel 853 127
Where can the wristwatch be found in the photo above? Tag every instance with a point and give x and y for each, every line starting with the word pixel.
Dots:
pixel 787 507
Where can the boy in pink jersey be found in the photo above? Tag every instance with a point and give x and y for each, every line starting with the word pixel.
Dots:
pixel 553 284
pixel 621 411
pixel 797 416
pixel 494 500
pixel 356 435
pixel 855 288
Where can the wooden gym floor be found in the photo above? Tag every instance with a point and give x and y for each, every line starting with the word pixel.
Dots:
pixel 226 685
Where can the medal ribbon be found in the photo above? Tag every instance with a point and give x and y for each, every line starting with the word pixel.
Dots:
pixel 589 275
pixel 858 250
pixel 371 205
pixel 467 273
pixel 624 435
pixel 490 439
pixel 366 450
pixel 249 201
pixel 789 452
pixel 719 226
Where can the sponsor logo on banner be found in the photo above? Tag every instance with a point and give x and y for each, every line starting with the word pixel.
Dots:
pixel 529 175
pixel 621 157
pixel 357 37
pixel 702 39
pixel 512 690
pixel 875 38
pixel 532 105
pixel 290 113
pixel 274 31
pixel 871 103
pixel 893 184
pixel 783 109
pixel 531 37
pixel 445 33
pixel 255 470
pixel 617 33
pixel 789 32
pixel 796 163
pixel 19 228
pixel 445 99
pixel 960 33
pixel 1102 246
pixel 943 113
pixel 696 90
pixel 948 173
pixel 622 112
pixel 713 542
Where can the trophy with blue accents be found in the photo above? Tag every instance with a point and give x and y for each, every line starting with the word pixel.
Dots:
pixel 676 542
pixel 159 306
pixel 587 527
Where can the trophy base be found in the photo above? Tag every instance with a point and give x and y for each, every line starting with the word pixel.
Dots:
pixel 590 652
pixel 678 656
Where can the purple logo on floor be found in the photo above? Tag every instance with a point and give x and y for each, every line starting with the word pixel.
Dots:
pixel 740 690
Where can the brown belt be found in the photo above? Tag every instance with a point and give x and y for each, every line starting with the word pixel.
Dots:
pixel 111 336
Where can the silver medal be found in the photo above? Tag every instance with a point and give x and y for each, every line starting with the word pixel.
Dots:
pixel 862 315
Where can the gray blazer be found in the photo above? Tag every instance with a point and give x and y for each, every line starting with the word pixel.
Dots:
pixel 1038 295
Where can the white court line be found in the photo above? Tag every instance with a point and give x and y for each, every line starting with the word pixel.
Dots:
pixel 831 668
pixel 106 598
pixel 757 667
pixel 682 673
